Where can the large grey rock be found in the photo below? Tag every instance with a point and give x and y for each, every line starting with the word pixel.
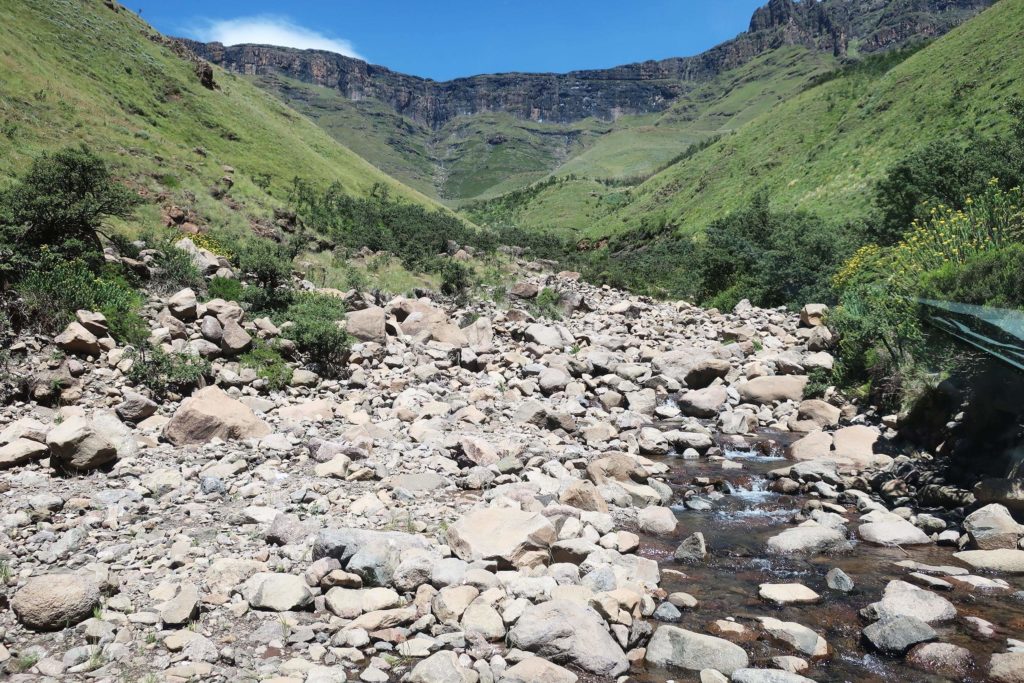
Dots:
pixel 537 670
pixel 442 667
pixel 547 335
pixel 210 413
pixel 135 407
pixel 893 530
pixel 77 445
pixel 367 325
pixel 767 676
pixel 234 339
pixel 1007 667
pixel 705 402
pixel 502 534
pixel 943 659
pixel 277 592
pixel 569 633
pixel 183 305
pixel 772 388
pixel 991 528
pixel 799 637
pixel 55 601
pixel 76 339
pixel 678 649
pixel 21 451
pixel 692 549
pixel 808 539
pixel 1002 560
pixel 905 599
pixel 896 635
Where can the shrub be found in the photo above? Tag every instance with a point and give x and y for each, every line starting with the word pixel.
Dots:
pixel 266 360
pixel 162 372
pixel 52 292
pixel 175 269
pixel 65 196
pixel 225 288
pixel 456 278
pixel 992 278
pixel 267 263
pixel 547 304
pixel 315 331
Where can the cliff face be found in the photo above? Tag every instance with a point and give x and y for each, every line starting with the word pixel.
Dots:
pixel 827 25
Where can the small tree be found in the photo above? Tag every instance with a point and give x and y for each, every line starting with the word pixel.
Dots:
pixel 268 264
pixel 64 199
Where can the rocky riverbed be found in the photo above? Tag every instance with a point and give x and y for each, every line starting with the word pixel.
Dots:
pixel 638 491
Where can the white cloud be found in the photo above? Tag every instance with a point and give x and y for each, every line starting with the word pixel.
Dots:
pixel 271 30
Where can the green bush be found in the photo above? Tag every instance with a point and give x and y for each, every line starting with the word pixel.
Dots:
pixel 52 292
pixel 315 331
pixel 64 198
pixel 225 288
pixel 175 270
pixel 993 278
pixel 266 360
pixel 267 263
pixel 456 278
pixel 547 304
pixel 164 372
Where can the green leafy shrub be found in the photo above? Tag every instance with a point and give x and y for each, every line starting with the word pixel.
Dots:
pixel 52 292
pixel 547 304
pixel 267 263
pixel 456 278
pixel 175 269
pixel 225 288
pixel 266 360
pixel 315 331
pixel 992 278
pixel 164 372
pixel 65 197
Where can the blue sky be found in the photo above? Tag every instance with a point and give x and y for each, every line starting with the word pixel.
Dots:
pixel 450 38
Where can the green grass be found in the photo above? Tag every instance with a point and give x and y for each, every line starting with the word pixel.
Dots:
pixel 76 71
pixel 823 149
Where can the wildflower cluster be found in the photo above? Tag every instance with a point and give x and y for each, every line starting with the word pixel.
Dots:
pixel 205 240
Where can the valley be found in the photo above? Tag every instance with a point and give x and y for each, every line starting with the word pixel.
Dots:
pixel 699 369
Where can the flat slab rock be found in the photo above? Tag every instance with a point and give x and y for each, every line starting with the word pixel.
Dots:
pixel 1003 560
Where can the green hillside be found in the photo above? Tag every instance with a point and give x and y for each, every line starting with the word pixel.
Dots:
pixel 823 149
pixel 123 90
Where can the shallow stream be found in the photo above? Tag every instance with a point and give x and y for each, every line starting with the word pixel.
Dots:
pixel 736 529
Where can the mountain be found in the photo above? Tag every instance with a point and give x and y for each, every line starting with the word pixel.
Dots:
pixel 90 71
pixel 482 135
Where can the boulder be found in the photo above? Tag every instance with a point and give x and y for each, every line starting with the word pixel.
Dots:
pixel 183 305
pixel 813 315
pixel 991 528
pixel 75 444
pixel 277 592
pixel 583 495
pixel 819 412
pixel 893 530
pixel 367 325
pixel 210 413
pixel 501 534
pixel 905 599
pixel 442 667
pixel 678 649
pixel 235 339
pixel 135 407
pixel 21 451
pixel 787 593
pixel 817 444
pixel 1002 560
pixel 762 390
pixel 808 539
pixel 1007 667
pixel 796 636
pixel 692 549
pixel 768 676
pixel 537 670
pixel 52 602
pixel 569 633
pixel 707 371
pixel 706 402
pixel 943 659
pixel 855 443
pixel 76 339
pixel 896 635
pixel 547 335
pixel 524 290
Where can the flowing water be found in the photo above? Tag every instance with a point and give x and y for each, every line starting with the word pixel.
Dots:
pixel 736 530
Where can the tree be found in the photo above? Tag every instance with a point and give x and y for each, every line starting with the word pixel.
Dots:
pixel 267 262
pixel 63 201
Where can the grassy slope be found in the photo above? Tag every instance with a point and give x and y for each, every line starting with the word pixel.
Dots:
pixel 823 149
pixel 75 71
